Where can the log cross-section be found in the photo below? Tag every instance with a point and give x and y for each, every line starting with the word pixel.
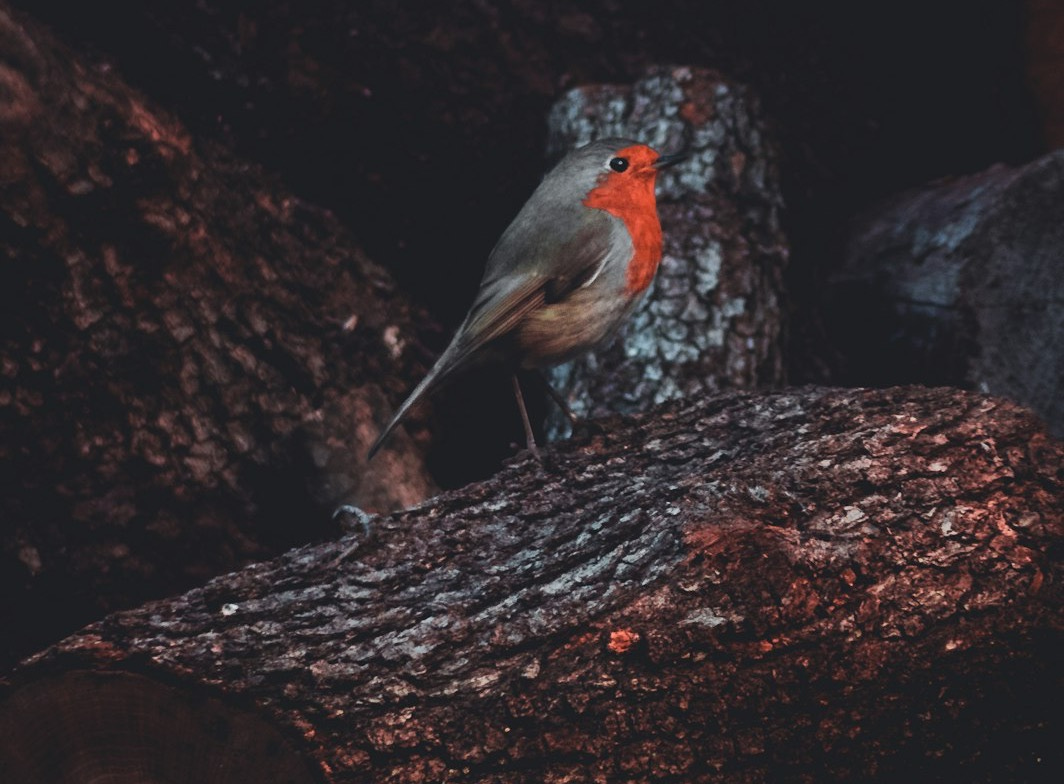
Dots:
pixel 813 585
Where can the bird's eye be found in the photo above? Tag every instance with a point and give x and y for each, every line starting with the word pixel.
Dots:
pixel 619 164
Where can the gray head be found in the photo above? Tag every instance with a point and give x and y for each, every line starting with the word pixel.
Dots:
pixel 585 167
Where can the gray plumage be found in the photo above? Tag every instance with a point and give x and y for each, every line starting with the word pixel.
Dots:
pixel 553 281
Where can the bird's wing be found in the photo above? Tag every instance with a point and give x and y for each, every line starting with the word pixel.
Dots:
pixel 501 306
pixel 526 272
pixel 552 240
pixel 508 303
pixel 546 270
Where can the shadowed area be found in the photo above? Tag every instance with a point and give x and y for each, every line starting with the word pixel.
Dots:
pixel 78 727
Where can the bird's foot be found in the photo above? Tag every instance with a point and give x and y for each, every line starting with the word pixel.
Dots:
pixel 354 522
pixel 522 451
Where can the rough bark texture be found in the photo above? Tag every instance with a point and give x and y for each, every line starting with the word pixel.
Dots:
pixel 713 317
pixel 814 585
pixel 188 354
pixel 963 284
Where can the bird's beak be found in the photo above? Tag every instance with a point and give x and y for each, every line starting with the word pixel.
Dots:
pixel 665 161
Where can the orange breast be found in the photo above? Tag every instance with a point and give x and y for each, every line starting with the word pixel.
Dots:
pixel 629 196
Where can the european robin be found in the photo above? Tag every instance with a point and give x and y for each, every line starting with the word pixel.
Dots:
pixel 568 270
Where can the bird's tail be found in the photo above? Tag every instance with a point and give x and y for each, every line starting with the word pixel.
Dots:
pixel 450 361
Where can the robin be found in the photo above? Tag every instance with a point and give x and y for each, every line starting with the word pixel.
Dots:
pixel 568 270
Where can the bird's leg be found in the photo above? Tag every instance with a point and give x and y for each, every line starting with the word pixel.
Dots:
pixel 560 401
pixel 530 439
pixel 579 426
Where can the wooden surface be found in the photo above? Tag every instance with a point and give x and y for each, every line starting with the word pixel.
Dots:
pixel 960 282
pixel 189 353
pixel 814 585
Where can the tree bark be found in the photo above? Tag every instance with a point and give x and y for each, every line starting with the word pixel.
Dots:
pixel 962 283
pixel 812 585
pixel 189 355
pixel 713 318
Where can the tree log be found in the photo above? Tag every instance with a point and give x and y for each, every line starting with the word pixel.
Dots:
pixel 812 585
pixel 962 283
pixel 188 354
pixel 713 317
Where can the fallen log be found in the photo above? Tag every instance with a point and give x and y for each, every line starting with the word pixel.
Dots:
pixel 960 283
pixel 189 353
pixel 816 584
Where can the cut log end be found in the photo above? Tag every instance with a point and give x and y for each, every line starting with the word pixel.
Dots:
pixel 83 726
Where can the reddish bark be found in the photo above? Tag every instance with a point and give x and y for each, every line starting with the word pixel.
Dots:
pixel 191 357
pixel 813 585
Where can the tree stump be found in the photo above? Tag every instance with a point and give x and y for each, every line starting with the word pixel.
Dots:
pixel 812 585
pixel 713 318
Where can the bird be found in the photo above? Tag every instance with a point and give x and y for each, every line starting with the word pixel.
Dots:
pixel 565 273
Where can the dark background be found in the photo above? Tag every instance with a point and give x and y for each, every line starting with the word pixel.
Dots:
pixel 422 125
